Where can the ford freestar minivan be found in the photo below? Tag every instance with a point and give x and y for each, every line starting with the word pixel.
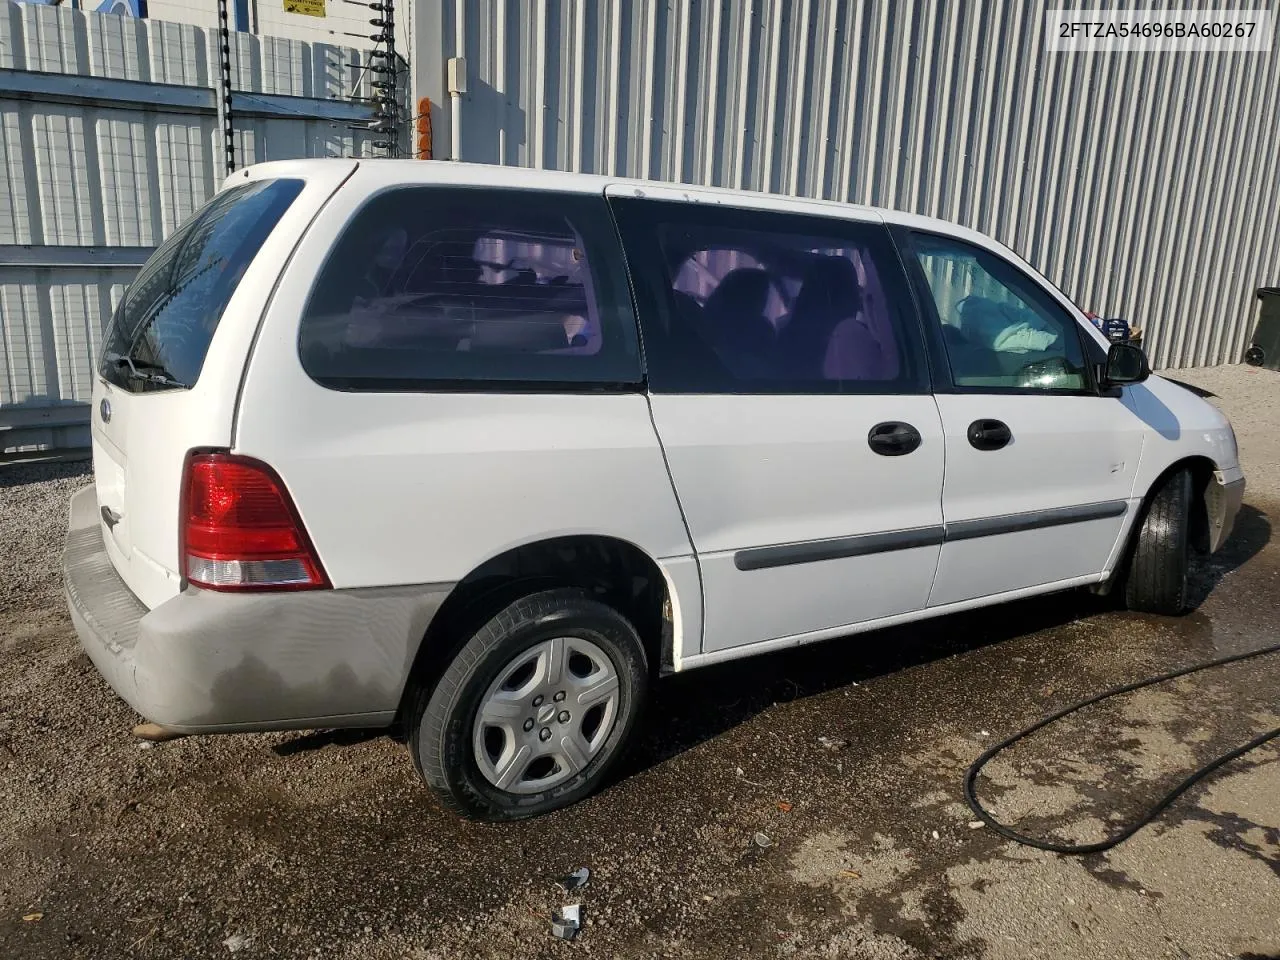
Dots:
pixel 481 451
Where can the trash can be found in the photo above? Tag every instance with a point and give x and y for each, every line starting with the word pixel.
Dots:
pixel 1264 349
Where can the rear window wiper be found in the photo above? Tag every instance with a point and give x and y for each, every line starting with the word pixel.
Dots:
pixel 145 371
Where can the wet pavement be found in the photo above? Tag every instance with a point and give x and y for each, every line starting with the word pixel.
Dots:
pixel 848 756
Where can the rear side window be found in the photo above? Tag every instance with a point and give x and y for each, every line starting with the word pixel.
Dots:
pixel 456 287
pixel 163 326
pixel 742 301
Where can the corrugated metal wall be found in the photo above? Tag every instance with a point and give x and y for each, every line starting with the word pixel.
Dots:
pixel 1145 185
pixel 96 172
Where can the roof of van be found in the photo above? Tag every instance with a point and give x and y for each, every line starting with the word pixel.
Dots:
pixel 486 174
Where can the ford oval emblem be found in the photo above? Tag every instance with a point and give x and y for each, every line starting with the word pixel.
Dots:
pixel 104 408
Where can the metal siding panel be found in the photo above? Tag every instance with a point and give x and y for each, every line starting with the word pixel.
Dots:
pixel 775 139
pixel 885 173
pixel 1198 254
pixel 1225 217
pixel 561 88
pixel 62 176
pixel 23 377
pixel 821 140
pixel 184 155
pixel 926 161
pixel 710 100
pixel 968 120
pixel 246 59
pixel 798 56
pixel 1171 233
pixel 1065 148
pixel 1117 252
pixel 579 55
pixel 647 85
pixel 249 146
pixel 179 53
pixel 118 48
pixel 1084 209
pixel 75 316
pixel 515 116
pixel 950 99
pixel 126 180
pixel 993 147
pixel 680 93
pixel 745 131
pixel 850 103
pixel 328 75
pixel 1263 263
pixel 55 40
pixel 11 52
pixel 16 202
pixel 874 79
pixel 612 122
pixel 1219 335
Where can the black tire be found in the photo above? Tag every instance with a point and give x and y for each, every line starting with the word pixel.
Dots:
pixel 1156 581
pixel 443 723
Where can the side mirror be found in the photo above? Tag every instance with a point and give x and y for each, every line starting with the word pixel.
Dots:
pixel 1126 363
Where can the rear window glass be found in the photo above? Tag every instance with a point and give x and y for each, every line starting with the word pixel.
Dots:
pixel 441 286
pixel 163 326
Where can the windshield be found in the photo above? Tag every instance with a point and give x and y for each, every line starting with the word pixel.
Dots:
pixel 163 326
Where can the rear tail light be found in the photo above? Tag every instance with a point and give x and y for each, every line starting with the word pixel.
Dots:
pixel 240 530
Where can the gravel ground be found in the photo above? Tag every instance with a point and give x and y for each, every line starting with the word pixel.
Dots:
pixel 847 755
pixel 33 521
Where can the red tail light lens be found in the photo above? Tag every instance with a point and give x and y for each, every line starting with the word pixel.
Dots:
pixel 240 530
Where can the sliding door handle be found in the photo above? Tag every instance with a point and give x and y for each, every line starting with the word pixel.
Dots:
pixel 893 439
pixel 989 434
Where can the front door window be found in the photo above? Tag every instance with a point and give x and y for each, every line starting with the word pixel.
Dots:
pixel 999 331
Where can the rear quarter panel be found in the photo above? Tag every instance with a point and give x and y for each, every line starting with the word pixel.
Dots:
pixel 163 426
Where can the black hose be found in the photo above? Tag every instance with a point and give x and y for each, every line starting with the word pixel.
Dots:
pixel 1078 849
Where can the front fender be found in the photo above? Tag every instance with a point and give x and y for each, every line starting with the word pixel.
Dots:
pixel 1180 427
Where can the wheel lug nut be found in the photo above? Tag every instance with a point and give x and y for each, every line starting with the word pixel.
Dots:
pixel 528 725
pixel 537 701
pixel 558 697
pixel 564 716
pixel 544 733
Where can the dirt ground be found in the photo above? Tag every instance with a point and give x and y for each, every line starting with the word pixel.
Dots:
pixel 325 845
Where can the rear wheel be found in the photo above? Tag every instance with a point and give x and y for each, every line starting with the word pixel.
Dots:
pixel 1156 581
pixel 534 710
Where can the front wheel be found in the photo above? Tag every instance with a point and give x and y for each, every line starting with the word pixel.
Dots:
pixel 1156 581
pixel 534 710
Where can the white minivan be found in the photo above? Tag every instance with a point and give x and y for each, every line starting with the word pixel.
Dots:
pixel 480 452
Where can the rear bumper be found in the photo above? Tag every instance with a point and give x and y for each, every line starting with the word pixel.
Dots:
pixel 206 662
pixel 1222 502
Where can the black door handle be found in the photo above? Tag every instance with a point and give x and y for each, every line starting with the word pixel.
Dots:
pixel 989 434
pixel 893 439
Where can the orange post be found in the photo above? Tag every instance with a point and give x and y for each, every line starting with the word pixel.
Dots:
pixel 423 146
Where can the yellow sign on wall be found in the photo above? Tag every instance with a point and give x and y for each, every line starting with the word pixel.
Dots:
pixel 308 8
